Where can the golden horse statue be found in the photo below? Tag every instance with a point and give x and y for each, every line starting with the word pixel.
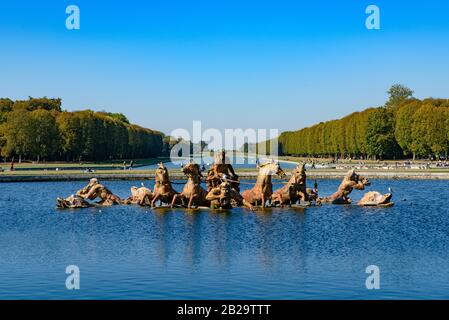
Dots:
pixel 263 189
pixel 295 190
pixel 163 190
pixel 192 193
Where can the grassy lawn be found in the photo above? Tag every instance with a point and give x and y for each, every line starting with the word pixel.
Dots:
pixel 344 161
pixel 72 172
pixel 436 170
pixel 111 164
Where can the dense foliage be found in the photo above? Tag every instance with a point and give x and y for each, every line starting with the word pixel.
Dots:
pixel 404 127
pixel 39 129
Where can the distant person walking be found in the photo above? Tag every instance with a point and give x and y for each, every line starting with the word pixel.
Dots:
pixel 124 165
pixel 12 165
pixel 131 164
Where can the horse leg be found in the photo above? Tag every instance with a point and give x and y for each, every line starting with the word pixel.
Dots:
pixel 281 200
pixel 191 201
pixel 141 200
pixel 174 200
pixel 247 204
pixel 170 198
pixel 277 198
pixel 156 196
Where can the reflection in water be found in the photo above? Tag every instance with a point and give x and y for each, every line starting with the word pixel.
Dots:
pixel 221 250
pixel 263 230
pixel 162 229
pixel 193 221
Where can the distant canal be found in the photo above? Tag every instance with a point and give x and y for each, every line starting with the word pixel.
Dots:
pixel 238 162
pixel 129 252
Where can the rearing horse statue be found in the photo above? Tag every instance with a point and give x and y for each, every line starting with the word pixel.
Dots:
pixel 294 190
pixel 263 189
pixel 163 190
pixel 192 191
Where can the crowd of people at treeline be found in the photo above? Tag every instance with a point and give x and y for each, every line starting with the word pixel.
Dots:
pixel 404 127
pixel 38 129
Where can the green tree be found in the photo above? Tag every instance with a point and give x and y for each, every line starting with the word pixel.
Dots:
pixel 397 94
pixel 72 143
pixel 379 136
pixel 37 128
pixel 429 131
pixel 38 103
pixel 17 132
pixel 118 116
pixel 5 108
pixel 45 135
pixel 403 127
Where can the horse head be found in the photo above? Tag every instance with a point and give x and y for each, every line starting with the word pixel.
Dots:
pixel 161 173
pixel 299 172
pixel 271 168
pixel 365 181
pixel 192 169
pixel 352 176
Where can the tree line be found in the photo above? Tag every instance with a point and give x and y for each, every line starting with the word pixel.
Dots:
pixel 39 129
pixel 404 127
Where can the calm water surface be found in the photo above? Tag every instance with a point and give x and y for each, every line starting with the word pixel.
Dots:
pixel 129 252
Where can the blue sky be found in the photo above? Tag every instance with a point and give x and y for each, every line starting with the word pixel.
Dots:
pixel 268 64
